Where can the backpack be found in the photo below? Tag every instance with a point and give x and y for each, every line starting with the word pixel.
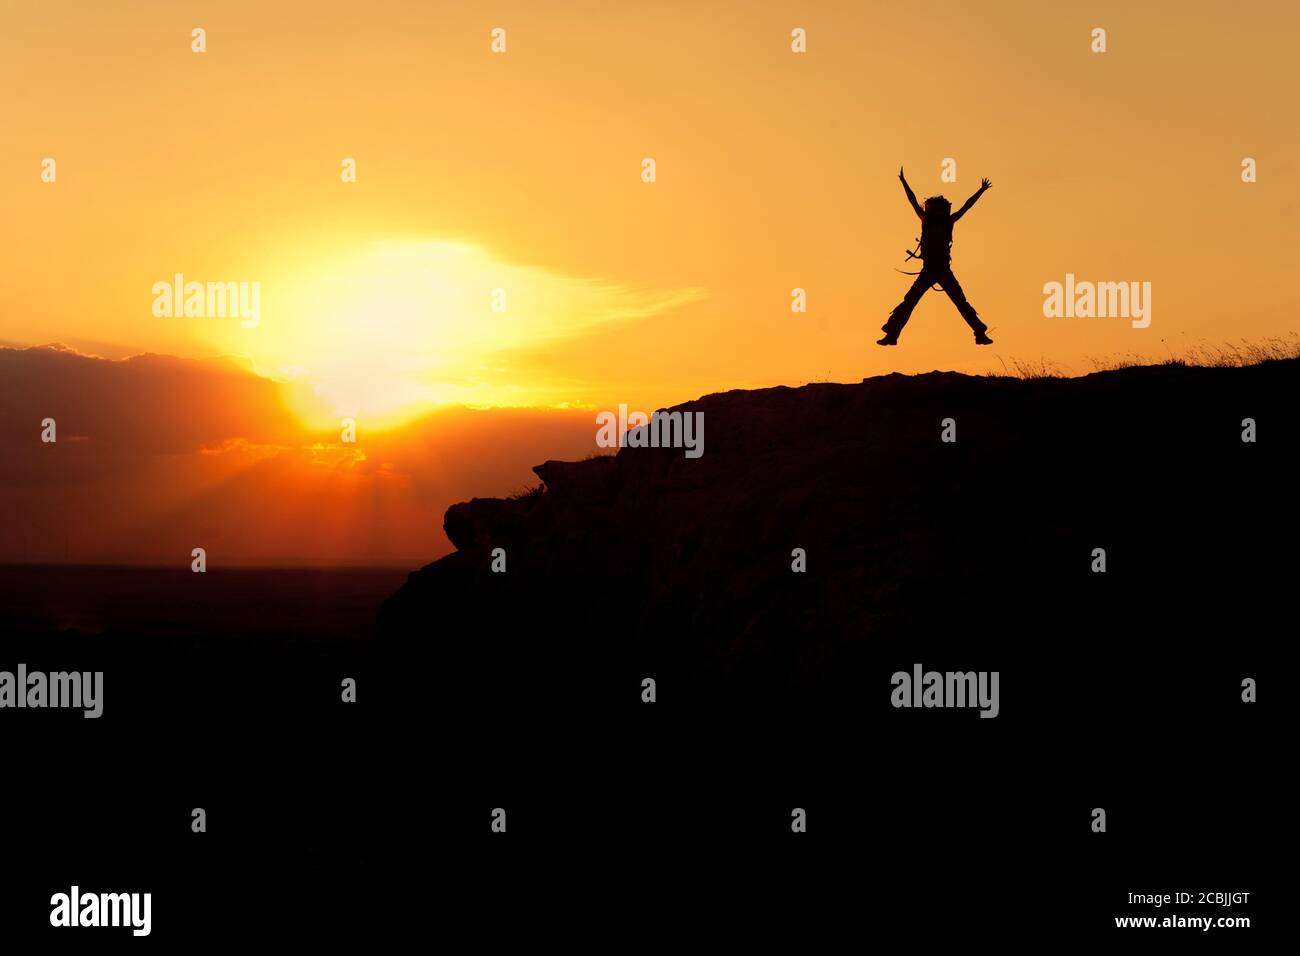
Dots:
pixel 940 232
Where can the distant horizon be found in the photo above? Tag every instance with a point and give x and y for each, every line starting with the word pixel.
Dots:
pixel 360 319
pixel 155 487
pixel 130 565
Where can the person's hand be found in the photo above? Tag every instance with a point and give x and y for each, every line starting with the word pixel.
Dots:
pixel 984 184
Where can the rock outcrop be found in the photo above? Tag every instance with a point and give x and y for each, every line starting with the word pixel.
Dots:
pixel 649 563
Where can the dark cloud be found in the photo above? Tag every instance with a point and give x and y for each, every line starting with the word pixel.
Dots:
pixel 157 455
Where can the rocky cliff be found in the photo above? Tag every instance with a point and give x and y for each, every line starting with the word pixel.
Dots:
pixel 650 563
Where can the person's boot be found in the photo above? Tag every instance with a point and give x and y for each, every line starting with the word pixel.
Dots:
pixel 890 338
pixel 982 339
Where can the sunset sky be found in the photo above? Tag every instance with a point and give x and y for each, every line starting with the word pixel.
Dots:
pixel 521 171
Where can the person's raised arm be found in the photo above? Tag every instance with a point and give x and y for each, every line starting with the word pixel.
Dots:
pixel 911 196
pixel 984 184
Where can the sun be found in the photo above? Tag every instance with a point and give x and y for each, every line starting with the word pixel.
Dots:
pixel 387 333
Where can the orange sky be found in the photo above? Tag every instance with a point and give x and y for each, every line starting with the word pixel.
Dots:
pixel 521 171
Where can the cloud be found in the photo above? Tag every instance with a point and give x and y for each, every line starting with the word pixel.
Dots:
pixel 157 455
pixel 146 403
pixel 407 325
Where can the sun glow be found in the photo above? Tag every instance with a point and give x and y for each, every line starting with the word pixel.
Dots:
pixel 403 327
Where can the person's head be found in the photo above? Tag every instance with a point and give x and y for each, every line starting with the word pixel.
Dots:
pixel 938 207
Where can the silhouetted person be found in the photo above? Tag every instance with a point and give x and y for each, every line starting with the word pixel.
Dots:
pixel 936 241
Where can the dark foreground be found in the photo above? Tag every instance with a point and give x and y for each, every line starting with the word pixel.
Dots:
pixel 523 691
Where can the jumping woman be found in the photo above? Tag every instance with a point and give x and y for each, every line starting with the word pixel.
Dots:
pixel 937 219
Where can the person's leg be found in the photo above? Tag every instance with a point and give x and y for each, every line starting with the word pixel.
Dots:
pixel 898 318
pixel 953 288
